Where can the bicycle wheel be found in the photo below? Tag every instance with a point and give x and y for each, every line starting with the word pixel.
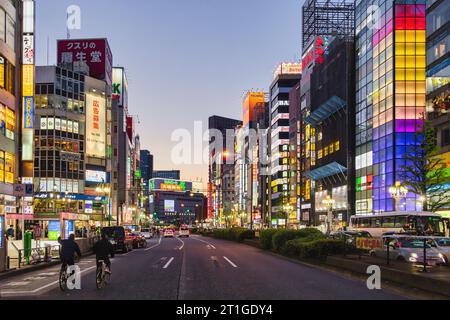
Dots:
pixel 99 278
pixel 63 278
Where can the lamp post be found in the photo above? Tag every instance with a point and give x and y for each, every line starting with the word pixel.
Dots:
pixel 287 208
pixel 398 192
pixel 329 203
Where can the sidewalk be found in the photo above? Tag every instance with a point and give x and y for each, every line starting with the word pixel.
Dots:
pixel 27 269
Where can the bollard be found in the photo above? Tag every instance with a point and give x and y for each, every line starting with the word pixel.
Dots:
pixel 46 254
pixel 8 263
pixel 424 255
pixel 20 258
pixel 387 253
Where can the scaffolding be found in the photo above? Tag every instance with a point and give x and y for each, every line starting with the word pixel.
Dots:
pixel 327 18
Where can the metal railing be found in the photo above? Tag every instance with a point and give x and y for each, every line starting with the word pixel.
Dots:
pixel 37 255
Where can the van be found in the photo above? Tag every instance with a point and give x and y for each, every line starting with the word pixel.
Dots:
pixel 118 238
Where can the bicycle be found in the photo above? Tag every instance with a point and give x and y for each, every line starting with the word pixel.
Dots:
pixel 64 276
pixel 102 277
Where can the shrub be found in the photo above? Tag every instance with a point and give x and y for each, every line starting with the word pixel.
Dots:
pixel 245 234
pixel 234 234
pixel 280 238
pixel 315 249
pixel 265 238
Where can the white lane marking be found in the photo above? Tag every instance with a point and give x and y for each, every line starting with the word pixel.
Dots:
pixel 159 242
pixel 182 244
pixel 18 284
pixel 13 293
pixel 48 274
pixel 168 263
pixel 209 244
pixel 230 262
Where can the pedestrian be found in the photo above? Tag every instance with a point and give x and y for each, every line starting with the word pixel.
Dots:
pixel 10 233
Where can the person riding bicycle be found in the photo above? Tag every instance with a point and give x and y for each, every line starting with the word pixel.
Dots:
pixel 102 250
pixel 68 249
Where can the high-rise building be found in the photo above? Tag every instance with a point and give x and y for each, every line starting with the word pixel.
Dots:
pixel 329 123
pixel 16 113
pixel 295 126
pixel 390 97
pixel 221 190
pixel 285 80
pixel 147 174
pixel 438 79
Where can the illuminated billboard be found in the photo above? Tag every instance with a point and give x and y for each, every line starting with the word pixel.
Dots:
pixel 95 176
pixel 288 68
pixel 254 103
pixel 170 185
pixel 120 86
pixel 169 205
pixel 95 126
pixel 96 53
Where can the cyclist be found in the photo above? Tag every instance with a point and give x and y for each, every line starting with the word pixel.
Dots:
pixel 68 249
pixel 102 250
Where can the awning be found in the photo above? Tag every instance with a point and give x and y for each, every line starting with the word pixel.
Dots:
pixel 326 110
pixel 326 171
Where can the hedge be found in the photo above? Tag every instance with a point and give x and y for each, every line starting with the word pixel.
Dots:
pixel 315 249
pixel 280 238
pixel 234 234
pixel 265 238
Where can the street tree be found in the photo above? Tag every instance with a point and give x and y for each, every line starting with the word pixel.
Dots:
pixel 425 171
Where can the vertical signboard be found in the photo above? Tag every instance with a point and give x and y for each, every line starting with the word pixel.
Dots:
pixel 253 103
pixel 95 126
pixel 96 53
pixel 28 82
pixel 1 231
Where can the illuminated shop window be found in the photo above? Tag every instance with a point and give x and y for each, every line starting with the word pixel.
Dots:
pixel 2 167
pixel 9 167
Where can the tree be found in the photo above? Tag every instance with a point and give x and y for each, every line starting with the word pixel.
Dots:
pixel 425 171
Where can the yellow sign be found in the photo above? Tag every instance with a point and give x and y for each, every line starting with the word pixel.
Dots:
pixel 28 80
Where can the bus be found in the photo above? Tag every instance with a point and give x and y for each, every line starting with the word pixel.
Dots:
pixel 413 223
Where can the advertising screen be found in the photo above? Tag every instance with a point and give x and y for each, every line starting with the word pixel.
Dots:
pixel 95 176
pixel 96 53
pixel 169 205
pixel 69 228
pixel 95 126
pixel 54 230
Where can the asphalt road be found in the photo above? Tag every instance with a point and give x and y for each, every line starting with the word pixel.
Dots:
pixel 196 268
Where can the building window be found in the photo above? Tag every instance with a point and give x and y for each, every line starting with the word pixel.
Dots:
pixel 445 137
pixel 9 167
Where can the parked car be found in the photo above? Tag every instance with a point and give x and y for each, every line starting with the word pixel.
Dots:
pixel 443 246
pixel 139 240
pixel 119 238
pixel 168 233
pixel 184 232
pixel 409 250
pixel 147 233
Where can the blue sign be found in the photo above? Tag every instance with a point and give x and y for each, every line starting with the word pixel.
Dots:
pixel 68 227
pixel 28 112
pixel 1 232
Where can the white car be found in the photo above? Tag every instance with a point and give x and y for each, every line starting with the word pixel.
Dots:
pixel 184 232
pixel 443 246
pixel 410 250
pixel 147 233
pixel 168 233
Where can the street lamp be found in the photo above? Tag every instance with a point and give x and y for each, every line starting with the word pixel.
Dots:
pixel 398 192
pixel 329 203
pixel 287 208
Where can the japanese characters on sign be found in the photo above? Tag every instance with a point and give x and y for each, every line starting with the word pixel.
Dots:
pixel 95 126
pixel 94 52
pixel 369 243
pixel 28 49
pixel 28 112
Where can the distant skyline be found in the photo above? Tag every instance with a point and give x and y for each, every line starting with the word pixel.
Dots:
pixel 186 60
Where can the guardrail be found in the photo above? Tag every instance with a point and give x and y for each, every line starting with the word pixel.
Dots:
pixel 38 255
pixel 366 245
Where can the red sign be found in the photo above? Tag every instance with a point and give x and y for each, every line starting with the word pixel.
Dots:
pixel 369 243
pixel 130 128
pixel 96 53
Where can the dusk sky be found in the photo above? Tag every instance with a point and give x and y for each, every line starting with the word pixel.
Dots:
pixel 186 59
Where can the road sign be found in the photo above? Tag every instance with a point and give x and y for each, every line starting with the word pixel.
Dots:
pixel 23 190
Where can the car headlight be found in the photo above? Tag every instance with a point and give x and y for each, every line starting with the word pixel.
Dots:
pixel 414 255
pixel 441 256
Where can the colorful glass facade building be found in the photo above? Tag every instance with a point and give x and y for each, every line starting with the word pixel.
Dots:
pixel 390 97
